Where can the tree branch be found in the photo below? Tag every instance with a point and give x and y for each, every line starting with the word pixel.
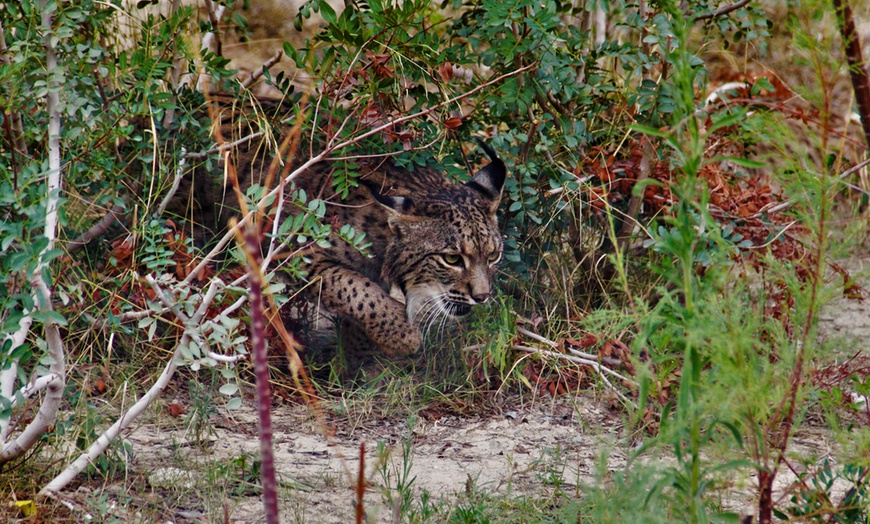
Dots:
pixel 18 144
pixel 99 446
pixel 47 412
pixel 724 10
pixel 857 69
pixel 265 67
pixel 96 230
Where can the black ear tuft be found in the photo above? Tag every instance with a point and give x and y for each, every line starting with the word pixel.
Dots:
pixel 489 181
pixel 488 150
pixel 400 204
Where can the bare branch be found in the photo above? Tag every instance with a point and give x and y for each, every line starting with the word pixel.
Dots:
pixel 47 412
pixel 34 386
pixel 102 443
pixel 179 175
pixel 788 203
pixel 224 147
pixel 857 68
pixel 259 72
pixel 724 10
pixel 96 230
pixel 577 360
pixel 554 345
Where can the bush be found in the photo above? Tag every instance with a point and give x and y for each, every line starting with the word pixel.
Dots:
pixel 698 228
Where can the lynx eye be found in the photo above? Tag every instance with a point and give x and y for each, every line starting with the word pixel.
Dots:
pixel 453 259
pixel 494 257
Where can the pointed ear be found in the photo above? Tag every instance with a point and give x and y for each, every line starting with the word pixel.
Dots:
pixel 489 181
pixel 402 205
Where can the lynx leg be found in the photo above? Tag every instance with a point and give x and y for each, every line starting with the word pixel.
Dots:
pixel 382 318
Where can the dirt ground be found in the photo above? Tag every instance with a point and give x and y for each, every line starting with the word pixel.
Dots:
pixel 503 453
pixel 510 450
pixel 849 320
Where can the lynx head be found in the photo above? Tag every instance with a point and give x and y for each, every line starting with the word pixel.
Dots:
pixel 446 245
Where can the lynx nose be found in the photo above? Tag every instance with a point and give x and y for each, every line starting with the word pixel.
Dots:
pixel 480 298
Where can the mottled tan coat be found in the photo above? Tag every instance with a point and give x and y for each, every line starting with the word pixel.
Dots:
pixel 435 247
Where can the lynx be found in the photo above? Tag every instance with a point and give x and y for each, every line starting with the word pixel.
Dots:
pixel 435 247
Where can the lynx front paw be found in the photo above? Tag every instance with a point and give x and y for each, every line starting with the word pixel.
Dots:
pixel 404 343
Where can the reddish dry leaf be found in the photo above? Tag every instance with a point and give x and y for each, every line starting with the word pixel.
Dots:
pixel 445 70
pixel 588 340
pixel 100 386
pixel 175 410
pixel 452 123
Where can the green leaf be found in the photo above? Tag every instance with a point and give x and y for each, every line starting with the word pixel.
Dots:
pixel 327 12
pixel 234 403
pixel 229 389
pixel 49 316
pixel 647 130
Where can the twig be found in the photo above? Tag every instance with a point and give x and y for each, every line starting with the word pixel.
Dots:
pixel 854 168
pixel 788 203
pixel 594 365
pixel 724 10
pixel 229 359
pixel 223 147
pixel 578 359
pixel 259 72
pixel 537 337
pixel 554 345
pixel 857 68
pixel 95 230
pixel 179 175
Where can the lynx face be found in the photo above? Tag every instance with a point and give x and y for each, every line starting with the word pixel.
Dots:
pixel 445 250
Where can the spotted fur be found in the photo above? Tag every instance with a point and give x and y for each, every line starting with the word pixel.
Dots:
pixel 435 245
pixel 435 248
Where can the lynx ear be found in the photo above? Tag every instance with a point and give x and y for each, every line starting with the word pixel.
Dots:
pixel 489 181
pixel 398 204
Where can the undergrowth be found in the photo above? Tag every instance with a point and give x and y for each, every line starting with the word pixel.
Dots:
pixel 668 250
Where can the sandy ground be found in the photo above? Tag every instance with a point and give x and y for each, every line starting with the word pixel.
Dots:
pixel 846 321
pixel 502 453
pixel 513 449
